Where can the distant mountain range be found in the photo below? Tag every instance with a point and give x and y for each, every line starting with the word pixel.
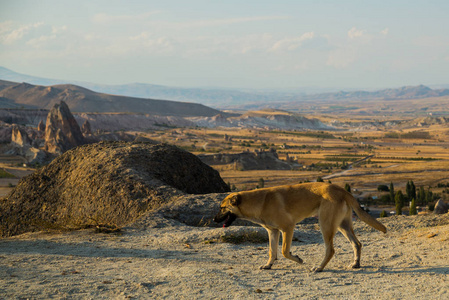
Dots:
pixel 406 92
pixel 223 98
pixel 206 96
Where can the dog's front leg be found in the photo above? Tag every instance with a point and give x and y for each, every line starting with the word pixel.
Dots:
pixel 273 236
pixel 287 237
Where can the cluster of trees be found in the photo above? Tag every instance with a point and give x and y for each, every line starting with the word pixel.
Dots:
pixel 415 197
pixel 408 135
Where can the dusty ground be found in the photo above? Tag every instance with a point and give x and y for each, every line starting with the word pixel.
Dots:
pixel 176 261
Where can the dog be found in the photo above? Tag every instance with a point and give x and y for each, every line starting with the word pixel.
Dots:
pixel 279 209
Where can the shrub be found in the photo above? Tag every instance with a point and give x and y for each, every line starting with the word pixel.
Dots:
pixel 4 174
pixel 385 199
pixel 383 188
pixel 383 214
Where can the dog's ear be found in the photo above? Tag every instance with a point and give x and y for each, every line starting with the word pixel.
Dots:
pixel 236 200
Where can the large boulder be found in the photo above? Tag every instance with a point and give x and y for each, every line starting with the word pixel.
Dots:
pixel 441 207
pixel 62 132
pixel 106 183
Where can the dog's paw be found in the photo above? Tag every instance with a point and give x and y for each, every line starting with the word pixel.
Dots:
pixel 355 265
pixel 265 267
pixel 316 269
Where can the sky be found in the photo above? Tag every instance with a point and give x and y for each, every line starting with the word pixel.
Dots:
pixel 229 44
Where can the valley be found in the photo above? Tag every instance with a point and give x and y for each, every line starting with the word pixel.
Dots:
pixel 362 140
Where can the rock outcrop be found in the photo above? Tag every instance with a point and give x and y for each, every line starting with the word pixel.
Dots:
pixel 41 126
pixel 19 137
pixel 441 207
pixel 86 129
pixel 258 160
pixel 105 183
pixel 62 131
pixel 23 143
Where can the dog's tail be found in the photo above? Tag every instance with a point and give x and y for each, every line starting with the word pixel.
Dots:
pixel 363 215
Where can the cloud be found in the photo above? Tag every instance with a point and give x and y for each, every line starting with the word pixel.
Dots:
pixel 355 33
pixel 48 36
pixel 56 30
pixel 290 44
pixel 40 41
pixel 9 36
pixel 5 27
pixel 385 31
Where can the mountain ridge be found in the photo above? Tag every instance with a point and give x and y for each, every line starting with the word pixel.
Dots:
pixel 80 99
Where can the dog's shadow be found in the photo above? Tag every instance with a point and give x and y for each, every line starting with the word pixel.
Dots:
pixel 386 270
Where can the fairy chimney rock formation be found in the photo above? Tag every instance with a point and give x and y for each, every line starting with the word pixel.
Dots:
pixel 62 131
pixel 41 126
pixel 86 129
pixel 19 137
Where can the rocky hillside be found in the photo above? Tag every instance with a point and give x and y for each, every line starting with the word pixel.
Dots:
pixel 80 99
pixel 258 160
pixel 263 119
pixel 110 183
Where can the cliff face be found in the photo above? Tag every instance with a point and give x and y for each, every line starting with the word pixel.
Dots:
pixel 23 116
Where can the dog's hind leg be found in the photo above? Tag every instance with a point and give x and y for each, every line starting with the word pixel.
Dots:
pixel 287 237
pixel 328 232
pixel 347 230
pixel 273 236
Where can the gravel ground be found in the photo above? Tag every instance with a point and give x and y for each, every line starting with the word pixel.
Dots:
pixel 175 261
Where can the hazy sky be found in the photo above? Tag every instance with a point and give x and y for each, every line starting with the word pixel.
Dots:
pixel 227 43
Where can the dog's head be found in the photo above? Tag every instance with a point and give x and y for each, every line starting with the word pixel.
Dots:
pixel 229 209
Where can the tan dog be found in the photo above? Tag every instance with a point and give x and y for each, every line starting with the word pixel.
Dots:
pixel 278 209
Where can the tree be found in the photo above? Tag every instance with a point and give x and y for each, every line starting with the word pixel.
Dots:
pixel 319 179
pixel 383 214
pixel 421 196
pixel 391 192
pixel 408 190
pixel 413 208
pixel 429 196
pixel 399 201
pixel 348 187
pixel 413 190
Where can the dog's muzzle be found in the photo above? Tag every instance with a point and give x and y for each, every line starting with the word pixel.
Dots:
pixel 228 218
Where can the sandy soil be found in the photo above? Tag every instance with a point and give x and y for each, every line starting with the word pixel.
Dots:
pixel 175 261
